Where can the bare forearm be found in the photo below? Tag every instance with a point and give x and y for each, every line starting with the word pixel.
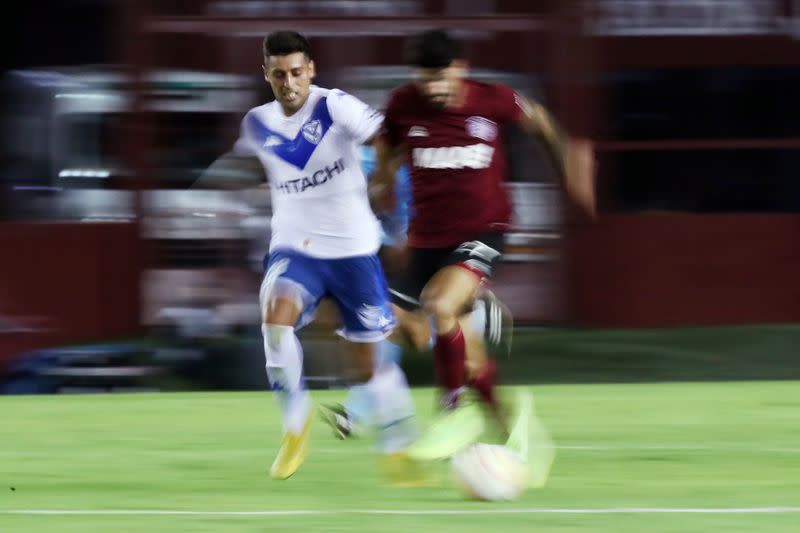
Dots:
pixel 572 158
pixel 388 162
pixel 381 186
pixel 231 172
pixel 539 123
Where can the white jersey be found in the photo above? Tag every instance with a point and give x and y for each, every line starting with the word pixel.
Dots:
pixel 320 204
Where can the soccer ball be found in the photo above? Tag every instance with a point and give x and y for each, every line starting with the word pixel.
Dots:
pixel 490 472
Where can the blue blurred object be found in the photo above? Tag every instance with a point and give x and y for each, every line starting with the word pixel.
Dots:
pixel 394 225
pixel 88 368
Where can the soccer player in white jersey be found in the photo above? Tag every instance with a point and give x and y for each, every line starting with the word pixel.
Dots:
pixel 324 243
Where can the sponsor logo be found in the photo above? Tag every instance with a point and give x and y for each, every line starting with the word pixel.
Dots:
pixel 317 178
pixel 374 317
pixel 482 128
pixel 472 156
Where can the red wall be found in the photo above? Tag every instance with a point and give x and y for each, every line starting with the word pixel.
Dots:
pixel 677 269
pixel 72 282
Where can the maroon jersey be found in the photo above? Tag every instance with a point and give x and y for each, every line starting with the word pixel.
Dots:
pixel 457 162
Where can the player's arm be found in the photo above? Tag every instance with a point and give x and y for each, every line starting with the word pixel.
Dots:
pixel 231 171
pixel 573 158
pixel 388 160
pixel 239 168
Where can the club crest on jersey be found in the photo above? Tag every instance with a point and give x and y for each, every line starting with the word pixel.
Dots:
pixel 482 128
pixel 312 131
pixel 418 131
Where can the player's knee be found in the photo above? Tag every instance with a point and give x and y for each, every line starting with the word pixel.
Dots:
pixel 282 312
pixel 280 302
pixel 413 329
pixel 441 309
pixel 420 339
pixel 439 313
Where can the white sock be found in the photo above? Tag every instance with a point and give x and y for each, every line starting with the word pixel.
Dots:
pixel 393 412
pixel 359 403
pixel 284 357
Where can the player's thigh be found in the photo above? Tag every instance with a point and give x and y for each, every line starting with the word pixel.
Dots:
pixel 465 270
pixel 449 290
pixel 291 289
pixel 358 286
pixel 423 264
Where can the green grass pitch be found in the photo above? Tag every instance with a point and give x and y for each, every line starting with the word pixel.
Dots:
pixel 644 457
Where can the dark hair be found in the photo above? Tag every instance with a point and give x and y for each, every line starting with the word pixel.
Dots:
pixel 432 49
pixel 283 43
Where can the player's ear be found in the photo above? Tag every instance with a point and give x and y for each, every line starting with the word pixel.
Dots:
pixel 312 69
pixel 266 72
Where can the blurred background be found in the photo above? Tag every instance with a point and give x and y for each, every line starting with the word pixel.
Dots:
pixel 115 277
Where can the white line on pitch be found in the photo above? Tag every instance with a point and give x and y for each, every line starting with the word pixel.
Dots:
pixel 347 449
pixel 488 511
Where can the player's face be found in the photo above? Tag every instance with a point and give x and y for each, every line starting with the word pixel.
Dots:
pixel 440 86
pixel 290 78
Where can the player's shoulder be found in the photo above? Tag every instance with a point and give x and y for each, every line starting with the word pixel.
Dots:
pixel 336 95
pixel 404 96
pixel 316 92
pixel 492 100
pixel 489 90
pixel 262 113
pixel 338 99
pixel 408 90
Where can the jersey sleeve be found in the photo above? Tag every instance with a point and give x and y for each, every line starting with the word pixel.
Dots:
pixel 245 145
pixel 391 128
pixel 508 105
pixel 356 118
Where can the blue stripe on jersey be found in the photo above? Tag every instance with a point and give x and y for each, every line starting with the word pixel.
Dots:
pixel 297 151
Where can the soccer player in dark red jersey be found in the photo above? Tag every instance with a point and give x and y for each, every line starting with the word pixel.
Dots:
pixel 447 128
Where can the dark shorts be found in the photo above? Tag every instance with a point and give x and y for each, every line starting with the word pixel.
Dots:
pixel 480 256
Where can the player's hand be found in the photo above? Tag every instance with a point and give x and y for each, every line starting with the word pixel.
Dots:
pixel 381 197
pixel 580 175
